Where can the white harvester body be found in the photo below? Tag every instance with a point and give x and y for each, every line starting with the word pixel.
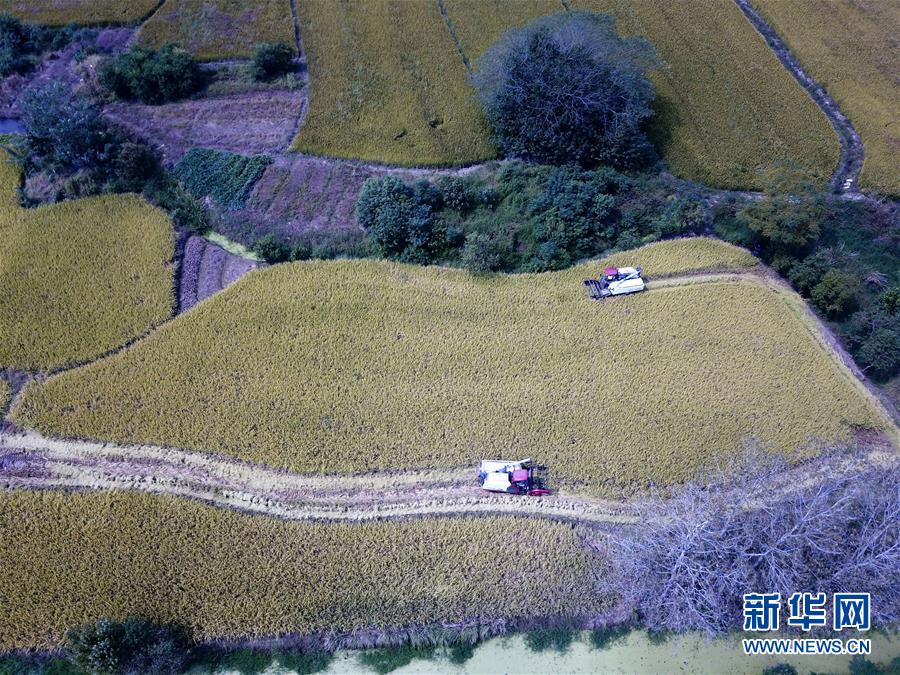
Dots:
pixel 616 281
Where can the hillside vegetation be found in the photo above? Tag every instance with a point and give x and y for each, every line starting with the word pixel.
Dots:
pixel 360 365
pixel 219 29
pixel 850 47
pixel 61 12
pixel 79 278
pixel 387 84
pixel 66 559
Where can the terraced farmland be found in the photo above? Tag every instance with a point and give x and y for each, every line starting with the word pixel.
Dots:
pixel 79 278
pixel 219 29
pixel 851 47
pixel 61 12
pixel 387 84
pixel 358 365
pixel 68 558
pixel 725 105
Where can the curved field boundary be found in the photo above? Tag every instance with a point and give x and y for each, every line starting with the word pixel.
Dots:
pixel 845 176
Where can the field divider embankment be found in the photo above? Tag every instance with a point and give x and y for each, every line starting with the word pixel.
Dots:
pixel 448 23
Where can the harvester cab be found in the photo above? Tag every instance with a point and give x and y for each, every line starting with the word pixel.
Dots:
pixel 615 281
pixel 516 478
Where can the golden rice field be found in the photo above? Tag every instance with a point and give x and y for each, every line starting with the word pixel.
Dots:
pixel 219 29
pixel 677 256
pixel 726 106
pixel 851 47
pixel 480 23
pixel 347 366
pixel 5 393
pixel 66 559
pixel 387 84
pixel 61 12
pixel 79 278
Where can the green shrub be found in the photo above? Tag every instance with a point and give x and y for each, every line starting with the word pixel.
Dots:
pixel 153 77
pixel 271 249
pixel 271 61
pixel 482 254
pixel 836 294
pixel 400 226
pixel 133 647
pixel 225 176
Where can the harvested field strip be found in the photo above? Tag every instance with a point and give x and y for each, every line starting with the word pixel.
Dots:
pixel 206 270
pixel 61 12
pixel 259 122
pixel 80 278
pixel 726 106
pixel 67 559
pixel 355 366
pixel 219 29
pixel 36 463
pixel 387 84
pixel 851 47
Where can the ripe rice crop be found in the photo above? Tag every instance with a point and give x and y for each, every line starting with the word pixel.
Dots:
pixel 225 176
pixel 61 12
pixel 5 393
pixel 219 29
pixel 347 366
pixel 79 278
pixel 66 559
pixel 387 84
pixel 850 46
pixel 479 23
pixel 725 104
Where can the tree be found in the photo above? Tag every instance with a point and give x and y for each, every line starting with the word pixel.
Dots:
pixel 836 294
pixel 271 249
pixel 482 254
pixel 64 131
pixel 693 555
pixel 880 353
pixel 398 224
pixel 788 218
pixel 153 77
pixel 271 61
pixel 133 647
pixel 567 88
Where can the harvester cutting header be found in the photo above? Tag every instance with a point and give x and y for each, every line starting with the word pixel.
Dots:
pixel 615 281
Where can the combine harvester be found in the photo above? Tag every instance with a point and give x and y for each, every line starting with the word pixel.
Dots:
pixel 616 281
pixel 514 478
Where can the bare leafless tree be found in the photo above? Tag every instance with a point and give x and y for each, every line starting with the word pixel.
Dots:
pixel 756 527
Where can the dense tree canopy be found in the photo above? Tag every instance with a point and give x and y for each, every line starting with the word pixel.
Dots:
pixel 567 88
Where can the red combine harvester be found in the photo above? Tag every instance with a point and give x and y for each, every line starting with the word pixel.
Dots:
pixel 515 478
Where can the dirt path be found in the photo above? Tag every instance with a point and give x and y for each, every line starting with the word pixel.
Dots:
pixel 844 178
pixel 33 462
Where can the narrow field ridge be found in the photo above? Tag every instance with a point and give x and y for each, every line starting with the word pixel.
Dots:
pixel 845 176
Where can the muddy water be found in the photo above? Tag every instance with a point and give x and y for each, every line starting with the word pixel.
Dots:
pixel 633 653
